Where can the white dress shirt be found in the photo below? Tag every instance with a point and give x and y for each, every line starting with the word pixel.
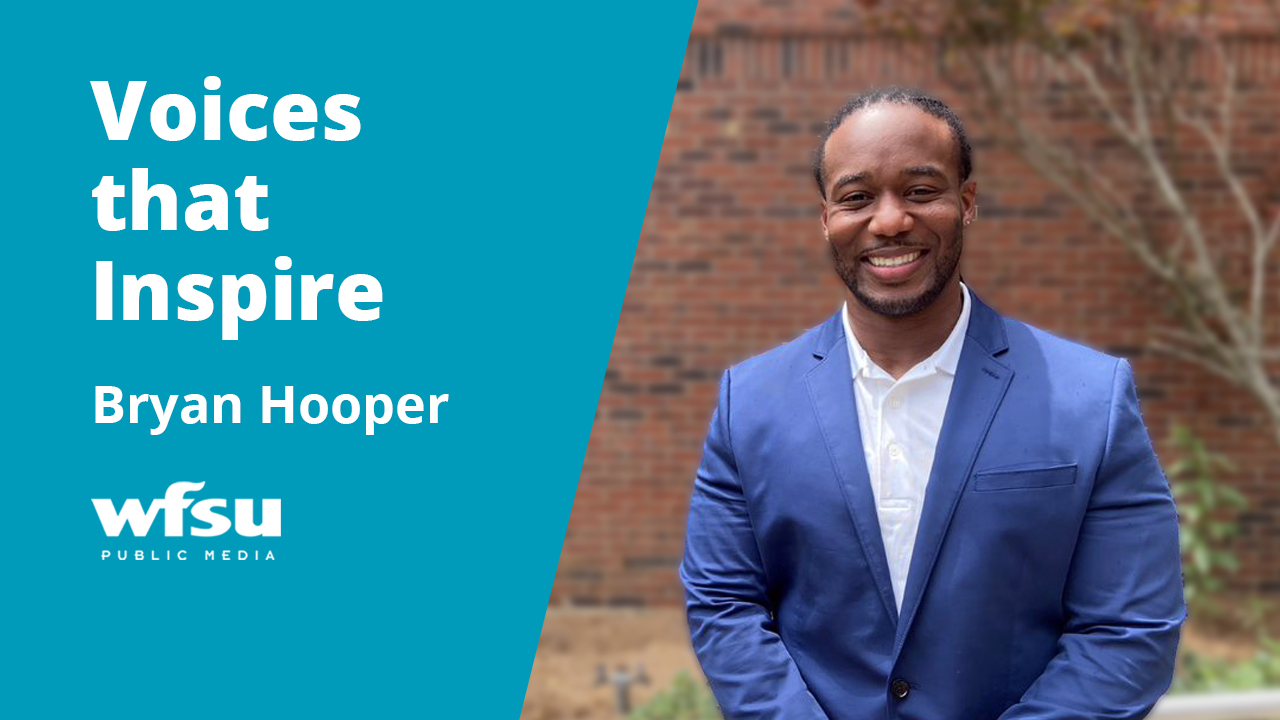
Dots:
pixel 900 421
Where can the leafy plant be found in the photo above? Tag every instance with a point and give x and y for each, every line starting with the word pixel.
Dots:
pixel 1204 536
pixel 686 699
pixel 1206 550
pixel 1204 674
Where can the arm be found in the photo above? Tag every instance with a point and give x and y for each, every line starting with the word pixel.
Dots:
pixel 734 636
pixel 1123 596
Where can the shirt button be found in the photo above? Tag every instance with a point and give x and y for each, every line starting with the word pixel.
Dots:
pixel 895 452
pixel 895 402
pixel 900 689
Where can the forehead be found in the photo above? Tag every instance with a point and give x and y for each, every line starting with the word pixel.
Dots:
pixel 884 139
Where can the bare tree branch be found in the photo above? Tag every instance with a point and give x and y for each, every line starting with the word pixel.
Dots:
pixel 1153 77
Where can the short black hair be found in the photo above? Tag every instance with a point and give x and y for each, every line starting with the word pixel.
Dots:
pixel 898 96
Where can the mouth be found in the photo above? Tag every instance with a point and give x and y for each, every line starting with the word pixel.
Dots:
pixel 896 264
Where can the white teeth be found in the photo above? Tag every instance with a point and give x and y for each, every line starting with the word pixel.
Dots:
pixel 895 261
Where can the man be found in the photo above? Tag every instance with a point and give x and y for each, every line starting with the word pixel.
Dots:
pixel 922 509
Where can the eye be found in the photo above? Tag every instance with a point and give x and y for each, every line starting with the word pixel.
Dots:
pixel 856 198
pixel 922 192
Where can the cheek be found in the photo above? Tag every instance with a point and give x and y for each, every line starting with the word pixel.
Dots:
pixel 943 223
pixel 842 227
pixel 941 214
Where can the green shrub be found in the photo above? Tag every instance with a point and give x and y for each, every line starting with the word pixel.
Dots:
pixel 686 699
pixel 1204 535
pixel 1202 674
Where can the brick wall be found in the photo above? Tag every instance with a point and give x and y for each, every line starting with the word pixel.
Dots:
pixel 731 262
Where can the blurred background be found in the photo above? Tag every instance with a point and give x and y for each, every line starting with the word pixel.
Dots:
pixel 1126 161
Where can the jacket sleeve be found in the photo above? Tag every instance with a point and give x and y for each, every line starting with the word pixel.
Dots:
pixel 1123 596
pixel 733 631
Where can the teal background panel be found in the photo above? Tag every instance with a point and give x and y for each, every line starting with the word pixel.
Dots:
pixel 496 190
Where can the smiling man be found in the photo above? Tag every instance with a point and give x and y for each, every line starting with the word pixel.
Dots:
pixel 920 508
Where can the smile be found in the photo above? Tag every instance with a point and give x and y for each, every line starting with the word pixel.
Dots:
pixel 894 261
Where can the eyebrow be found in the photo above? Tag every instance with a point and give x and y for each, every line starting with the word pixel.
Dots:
pixel 849 179
pixel 926 170
pixel 914 171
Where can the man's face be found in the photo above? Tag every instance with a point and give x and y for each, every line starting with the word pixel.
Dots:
pixel 895 210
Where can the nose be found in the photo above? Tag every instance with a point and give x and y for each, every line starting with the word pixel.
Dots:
pixel 890 218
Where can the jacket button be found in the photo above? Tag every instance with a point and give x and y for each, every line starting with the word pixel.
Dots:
pixel 900 689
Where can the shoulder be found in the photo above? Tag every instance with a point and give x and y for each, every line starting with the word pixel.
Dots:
pixel 1033 351
pixel 791 359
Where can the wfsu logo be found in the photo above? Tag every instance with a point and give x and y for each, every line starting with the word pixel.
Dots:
pixel 174 505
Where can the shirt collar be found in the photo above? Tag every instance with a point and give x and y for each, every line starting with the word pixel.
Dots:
pixel 945 359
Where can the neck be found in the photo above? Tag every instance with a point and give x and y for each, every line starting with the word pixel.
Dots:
pixel 897 344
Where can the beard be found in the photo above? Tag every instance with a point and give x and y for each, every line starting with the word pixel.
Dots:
pixel 945 266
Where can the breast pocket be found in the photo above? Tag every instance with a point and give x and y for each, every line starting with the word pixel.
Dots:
pixel 1024 478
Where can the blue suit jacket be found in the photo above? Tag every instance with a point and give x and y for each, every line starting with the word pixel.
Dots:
pixel 1045 581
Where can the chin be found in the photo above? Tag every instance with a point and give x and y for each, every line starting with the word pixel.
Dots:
pixel 893 306
pixel 900 301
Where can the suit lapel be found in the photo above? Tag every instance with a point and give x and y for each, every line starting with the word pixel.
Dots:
pixel 830 386
pixel 979 388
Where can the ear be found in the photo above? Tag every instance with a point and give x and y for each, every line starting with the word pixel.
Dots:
pixel 969 200
pixel 822 210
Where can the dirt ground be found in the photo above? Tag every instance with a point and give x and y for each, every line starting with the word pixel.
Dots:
pixel 574 642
